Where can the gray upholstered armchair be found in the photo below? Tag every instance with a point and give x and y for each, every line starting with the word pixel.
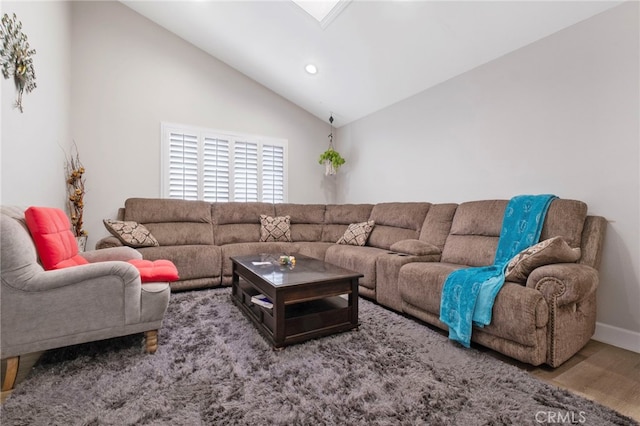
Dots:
pixel 42 310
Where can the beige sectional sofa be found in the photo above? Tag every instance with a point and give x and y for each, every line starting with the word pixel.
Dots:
pixel 410 252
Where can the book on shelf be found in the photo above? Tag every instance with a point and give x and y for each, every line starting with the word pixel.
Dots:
pixel 262 300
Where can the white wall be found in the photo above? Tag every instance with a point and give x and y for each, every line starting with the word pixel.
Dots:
pixel 558 116
pixel 129 77
pixel 34 142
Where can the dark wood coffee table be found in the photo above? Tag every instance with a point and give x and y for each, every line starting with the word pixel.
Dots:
pixel 310 299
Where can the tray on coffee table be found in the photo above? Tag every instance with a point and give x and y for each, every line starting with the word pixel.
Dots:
pixel 310 299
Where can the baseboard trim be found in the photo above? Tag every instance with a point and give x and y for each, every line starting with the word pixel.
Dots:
pixel 616 336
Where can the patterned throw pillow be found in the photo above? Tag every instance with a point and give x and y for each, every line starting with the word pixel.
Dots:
pixel 275 228
pixel 553 250
pixel 131 233
pixel 357 233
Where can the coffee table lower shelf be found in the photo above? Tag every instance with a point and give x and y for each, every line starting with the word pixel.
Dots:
pixel 303 320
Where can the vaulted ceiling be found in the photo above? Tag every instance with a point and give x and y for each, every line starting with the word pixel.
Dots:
pixel 372 54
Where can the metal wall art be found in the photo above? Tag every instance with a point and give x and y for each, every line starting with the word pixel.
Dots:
pixel 15 57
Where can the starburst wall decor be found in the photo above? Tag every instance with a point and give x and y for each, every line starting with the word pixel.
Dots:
pixel 15 57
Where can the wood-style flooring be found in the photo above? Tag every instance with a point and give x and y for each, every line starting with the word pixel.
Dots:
pixel 600 372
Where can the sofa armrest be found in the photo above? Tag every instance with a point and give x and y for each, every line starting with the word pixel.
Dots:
pixel 564 283
pixel 62 307
pixel 123 253
pixel 108 242
pixel 415 248
pixel 123 272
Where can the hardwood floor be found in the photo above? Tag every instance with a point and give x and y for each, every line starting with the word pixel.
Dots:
pixel 600 372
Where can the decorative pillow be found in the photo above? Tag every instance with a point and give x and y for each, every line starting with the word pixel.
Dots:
pixel 357 233
pixel 414 247
pixel 275 228
pixel 131 233
pixel 553 250
pixel 51 232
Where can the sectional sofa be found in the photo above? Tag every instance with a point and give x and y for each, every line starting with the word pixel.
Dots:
pixel 544 317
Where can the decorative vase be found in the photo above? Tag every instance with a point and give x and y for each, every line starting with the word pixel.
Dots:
pixel 329 169
pixel 82 243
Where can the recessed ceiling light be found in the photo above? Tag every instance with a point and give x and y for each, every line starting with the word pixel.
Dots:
pixel 311 69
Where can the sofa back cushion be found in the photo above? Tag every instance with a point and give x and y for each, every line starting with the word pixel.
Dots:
pixel 437 224
pixel 565 218
pixel 306 220
pixel 396 222
pixel 476 227
pixel 338 217
pixel 238 222
pixel 474 233
pixel 51 232
pixel 172 222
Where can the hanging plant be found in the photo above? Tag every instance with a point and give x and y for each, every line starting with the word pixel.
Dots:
pixel 332 161
pixel 331 158
pixel 15 57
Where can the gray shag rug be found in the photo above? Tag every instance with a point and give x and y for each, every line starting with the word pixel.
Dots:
pixel 214 368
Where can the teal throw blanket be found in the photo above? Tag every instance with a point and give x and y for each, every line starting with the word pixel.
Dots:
pixel 468 294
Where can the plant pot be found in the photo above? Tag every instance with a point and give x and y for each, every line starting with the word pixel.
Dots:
pixel 329 169
pixel 82 243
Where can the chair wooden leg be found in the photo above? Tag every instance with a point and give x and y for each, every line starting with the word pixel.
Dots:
pixel 151 341
pixel 10 377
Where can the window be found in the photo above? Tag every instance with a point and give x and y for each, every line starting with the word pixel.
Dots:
pixel 214 166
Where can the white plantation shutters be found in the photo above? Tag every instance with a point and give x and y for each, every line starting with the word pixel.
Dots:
pixel 216 160
pixel 272 173
pixel 201 164
pixel 183 166
pixel 245 171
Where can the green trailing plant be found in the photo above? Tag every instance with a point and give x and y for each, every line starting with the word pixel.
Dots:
pixel 332 156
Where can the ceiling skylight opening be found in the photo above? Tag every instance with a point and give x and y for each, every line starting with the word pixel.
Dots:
pixel 323 11
pixel 311 69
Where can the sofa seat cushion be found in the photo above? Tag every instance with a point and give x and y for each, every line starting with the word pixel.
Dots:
pixel 161 270
pixel 420 284
pixel 51 232
pixel 193 261
pixel 358 259
pixel 517 311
